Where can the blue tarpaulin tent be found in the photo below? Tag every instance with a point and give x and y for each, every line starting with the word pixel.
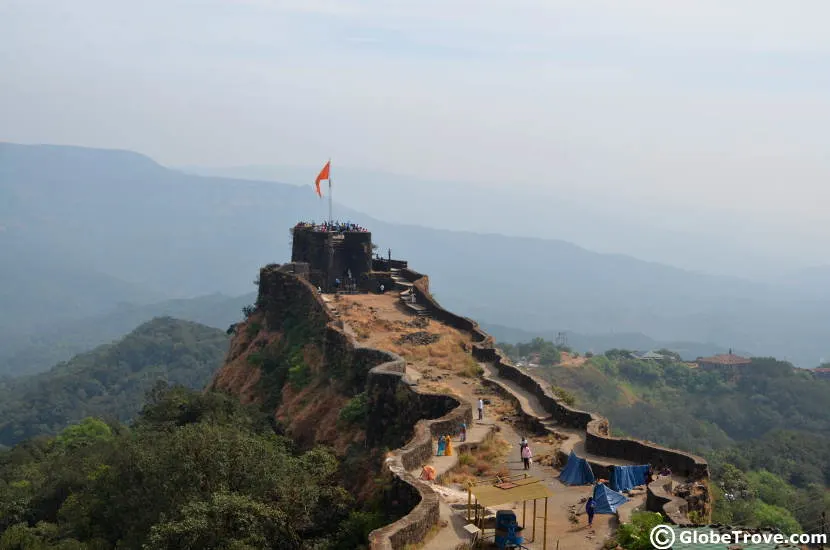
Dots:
pixel 577 471
pixel 625 478
pixel 607 500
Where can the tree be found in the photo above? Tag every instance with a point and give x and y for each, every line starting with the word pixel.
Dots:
pixel 775 517
pixel 549 355
pixel 635 535
pixel 225 520
pixel 89 431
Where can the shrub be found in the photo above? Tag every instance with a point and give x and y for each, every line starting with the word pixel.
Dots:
pixel 563 394
pixel 635 535
pixel 472 369
pixel 356 410
pixel 253 329
pixel 696 517
pixel 482 467
pixel 466 459
pixel 299 375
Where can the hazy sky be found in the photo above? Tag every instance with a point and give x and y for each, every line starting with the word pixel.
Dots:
pixel 711 102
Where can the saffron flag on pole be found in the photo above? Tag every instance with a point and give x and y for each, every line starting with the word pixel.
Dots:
pixel 324 175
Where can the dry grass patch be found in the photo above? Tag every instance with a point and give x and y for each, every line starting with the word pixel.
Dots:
pixel 471 369
pixel 486 460
pixel 376 322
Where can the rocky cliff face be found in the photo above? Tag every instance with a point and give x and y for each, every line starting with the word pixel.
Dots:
pixel 290 356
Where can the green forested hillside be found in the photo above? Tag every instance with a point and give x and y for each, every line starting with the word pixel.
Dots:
pixel 766 433
pixel 111 380
pixel 195 471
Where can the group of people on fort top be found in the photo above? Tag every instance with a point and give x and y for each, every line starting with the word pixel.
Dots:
pixel 334 227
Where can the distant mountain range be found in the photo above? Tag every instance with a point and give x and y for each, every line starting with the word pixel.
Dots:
pixel 40 349
pixel 154 233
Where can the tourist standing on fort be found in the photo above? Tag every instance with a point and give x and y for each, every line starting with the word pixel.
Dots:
pixel 522 445
pixel 480 408
pixel 526 456
pixel 590 506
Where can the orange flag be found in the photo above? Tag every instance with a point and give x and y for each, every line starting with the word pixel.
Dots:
pixel 324 175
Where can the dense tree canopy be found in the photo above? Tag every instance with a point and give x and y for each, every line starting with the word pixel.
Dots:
pixel 194 471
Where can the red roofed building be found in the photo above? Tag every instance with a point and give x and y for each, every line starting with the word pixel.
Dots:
pixel 822 372
pixel 724 361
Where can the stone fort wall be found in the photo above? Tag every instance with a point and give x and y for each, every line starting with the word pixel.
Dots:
pixel 598 440
pixel 392 395
pixel 398 409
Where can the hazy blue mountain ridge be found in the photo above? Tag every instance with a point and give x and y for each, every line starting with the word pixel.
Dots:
pixel 188 235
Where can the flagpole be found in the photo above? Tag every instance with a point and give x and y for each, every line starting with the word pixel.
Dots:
pixel 331 220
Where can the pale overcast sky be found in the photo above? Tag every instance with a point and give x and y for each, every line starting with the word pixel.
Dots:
pixel 722 102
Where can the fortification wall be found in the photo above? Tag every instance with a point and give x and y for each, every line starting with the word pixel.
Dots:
pixel 407 489
pixel 598 440
pixel 391 394
pixel 399 412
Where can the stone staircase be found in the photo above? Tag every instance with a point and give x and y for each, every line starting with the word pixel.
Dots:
pixel 407 293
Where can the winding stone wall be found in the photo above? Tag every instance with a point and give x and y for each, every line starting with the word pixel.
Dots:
pixel 398 409
pixel 393 395
pixel 413 527
pixel 598 440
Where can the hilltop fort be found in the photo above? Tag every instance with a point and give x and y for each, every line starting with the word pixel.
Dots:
pixel 338 330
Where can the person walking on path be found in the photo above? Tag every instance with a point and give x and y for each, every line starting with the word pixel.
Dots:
pixel 463 431
pixel 590 506
pixel 448 450
pixel 480 408
pixel 442 445
pixel 522 445
pixel 526 456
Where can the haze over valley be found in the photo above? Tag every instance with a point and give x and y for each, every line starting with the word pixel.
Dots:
pixel 118 227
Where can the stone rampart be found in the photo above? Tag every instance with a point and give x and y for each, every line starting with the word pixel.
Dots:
pixel 598 440
pixel 391 393
pixel 390 379
pixel 417 416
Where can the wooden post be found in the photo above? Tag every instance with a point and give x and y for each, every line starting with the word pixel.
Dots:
pixel 545 527
pixel 469 502
pixel 524 511
pixel 534 520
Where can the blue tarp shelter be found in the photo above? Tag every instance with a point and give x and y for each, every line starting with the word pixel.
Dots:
pixel 607 500
pixel 577 471
pixel 625 478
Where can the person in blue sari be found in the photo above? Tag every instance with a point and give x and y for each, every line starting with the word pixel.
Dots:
pixel 442 445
